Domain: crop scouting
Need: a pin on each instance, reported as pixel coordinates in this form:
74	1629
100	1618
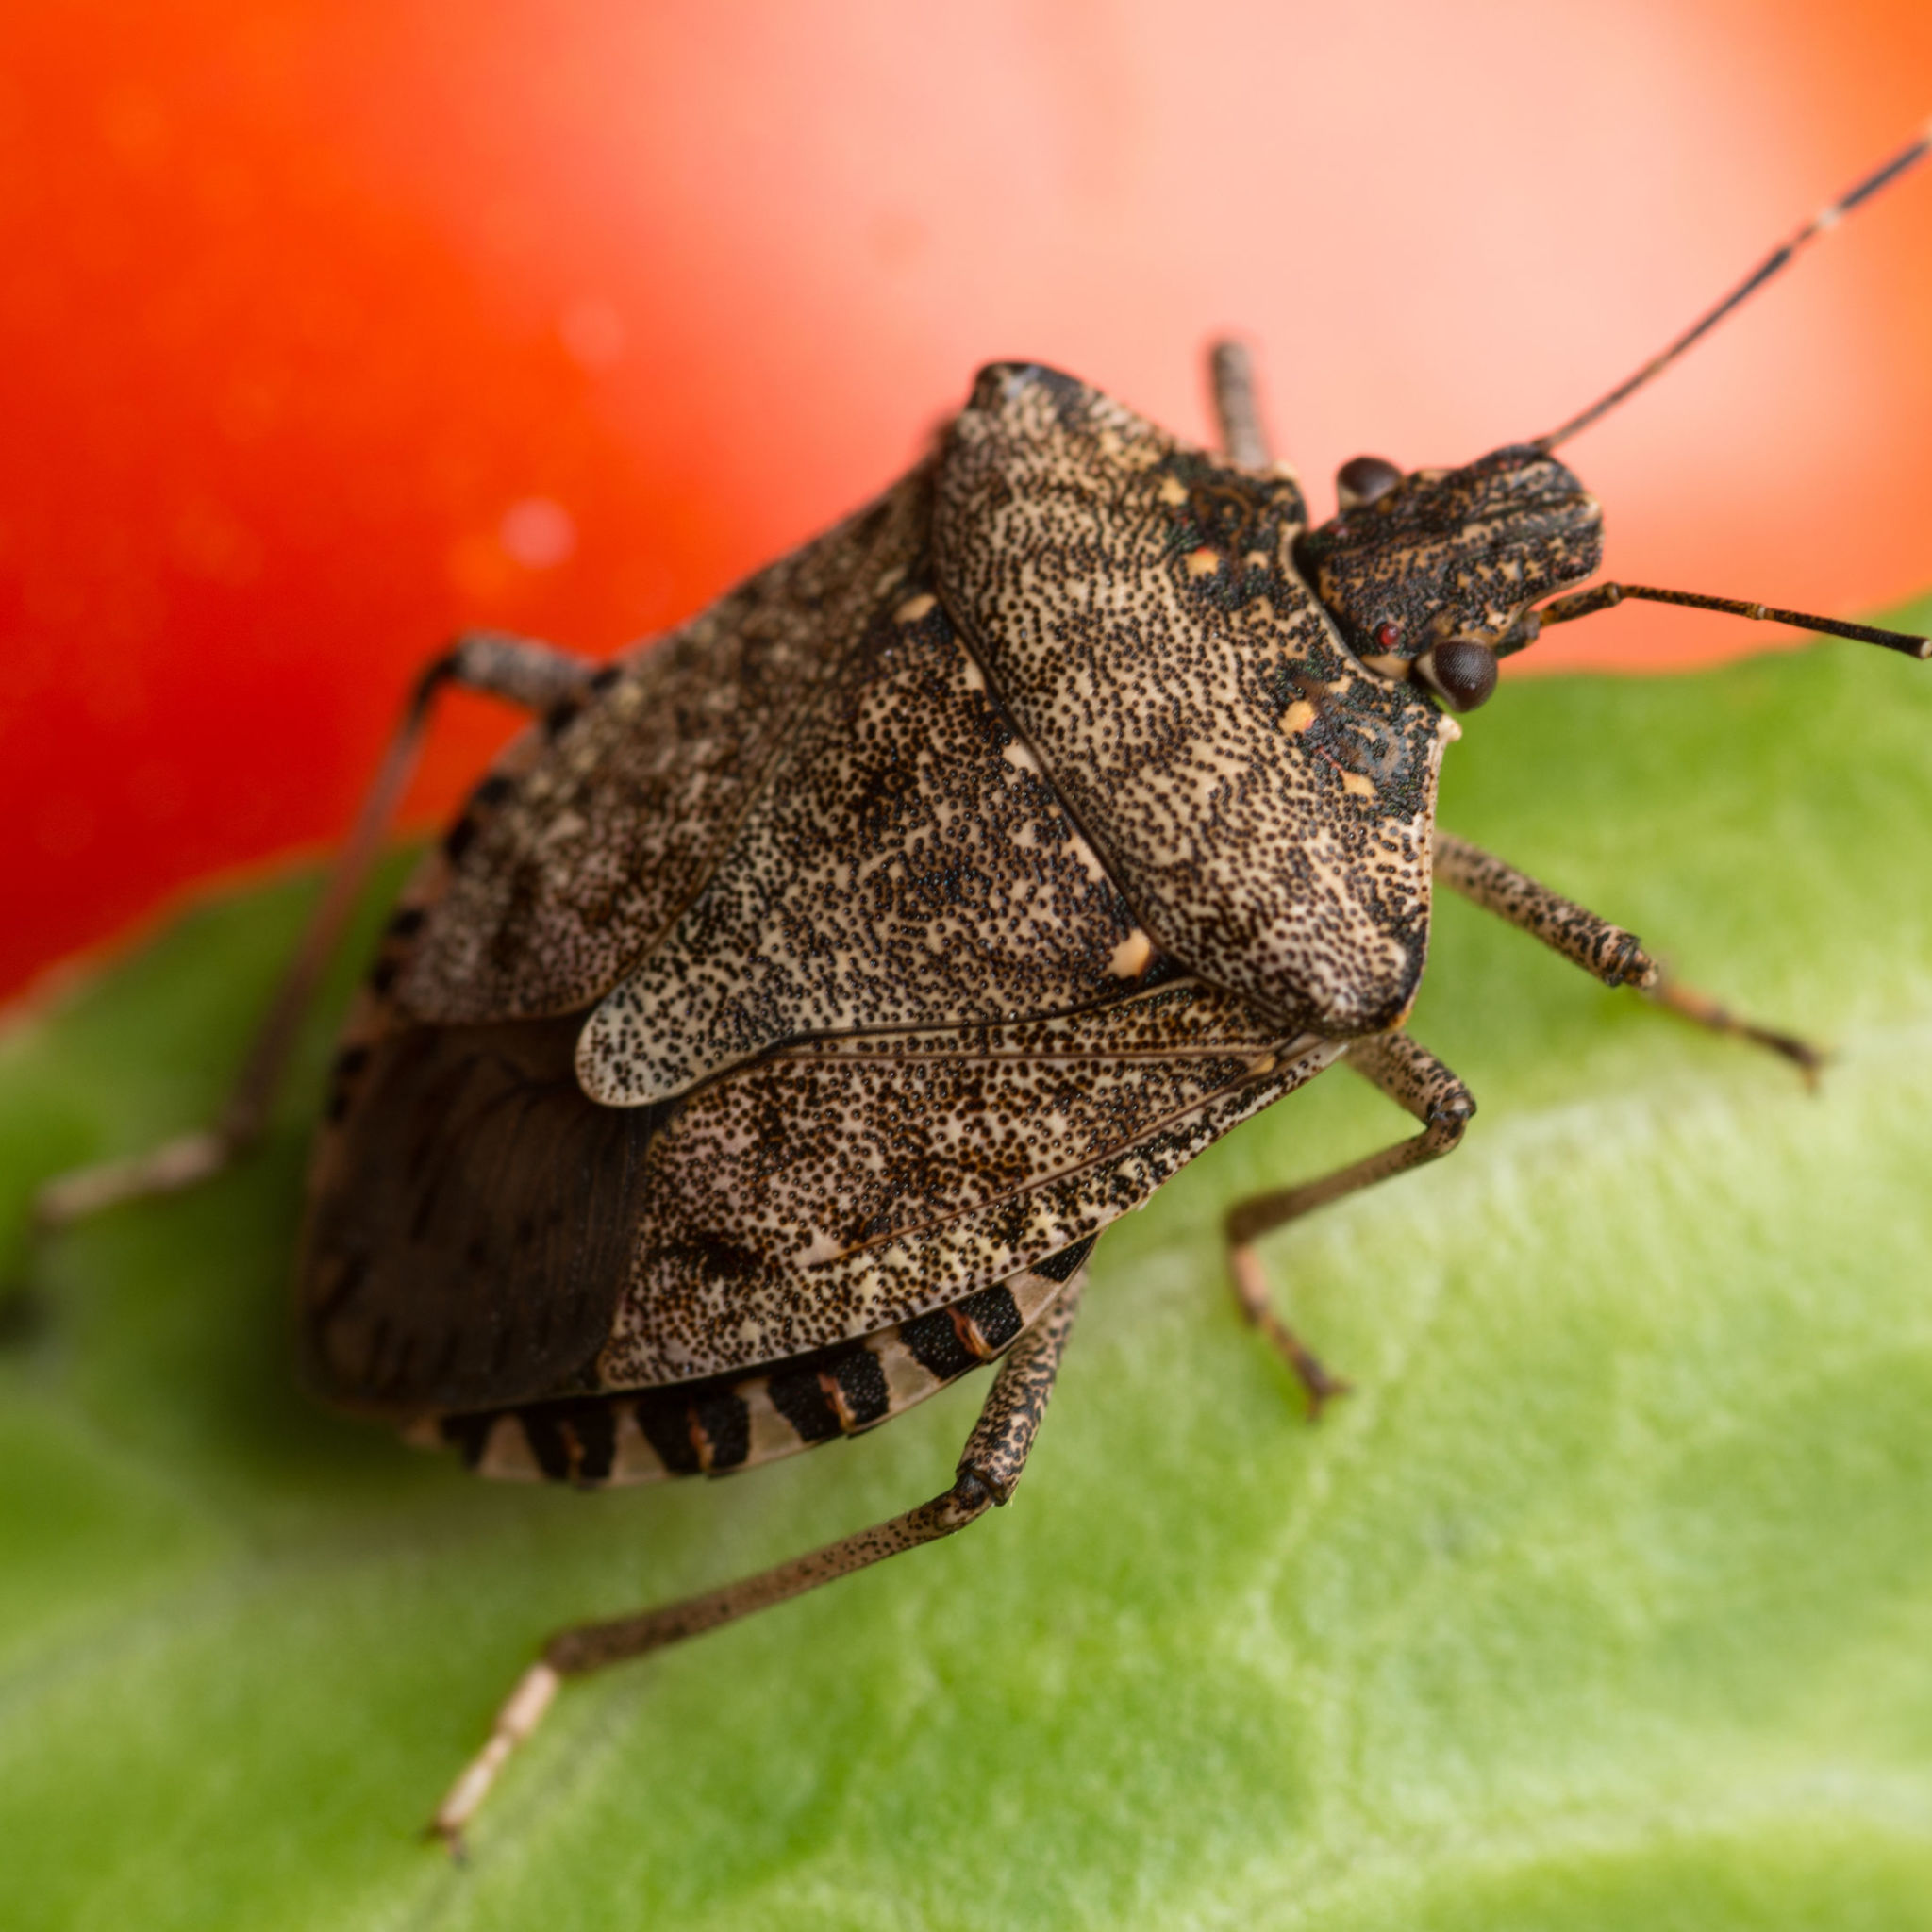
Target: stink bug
772	1037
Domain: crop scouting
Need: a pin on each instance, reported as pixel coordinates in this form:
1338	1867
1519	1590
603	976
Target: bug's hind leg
988	1470
532	675
1607	951
1417	1081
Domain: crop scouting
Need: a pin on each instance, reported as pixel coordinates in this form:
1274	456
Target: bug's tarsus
1779	258
514	669
1417	1082
1702	1010
1607	596
1237	407
989	1466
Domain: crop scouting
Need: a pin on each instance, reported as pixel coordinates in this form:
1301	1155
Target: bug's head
1427	575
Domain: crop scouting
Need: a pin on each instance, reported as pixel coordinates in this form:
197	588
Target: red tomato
326	330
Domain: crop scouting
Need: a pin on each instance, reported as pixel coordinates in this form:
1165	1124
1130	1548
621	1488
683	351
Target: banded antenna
1603	596
1820	223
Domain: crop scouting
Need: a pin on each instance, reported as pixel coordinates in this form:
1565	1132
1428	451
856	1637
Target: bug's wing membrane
843	1185
904	863
471	1222
1263	801
616	823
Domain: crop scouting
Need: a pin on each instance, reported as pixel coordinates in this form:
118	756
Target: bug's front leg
1603	950
531	676
1417	1081
988	1470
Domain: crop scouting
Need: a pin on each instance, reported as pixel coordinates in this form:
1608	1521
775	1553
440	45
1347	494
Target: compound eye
1362	479
1463	671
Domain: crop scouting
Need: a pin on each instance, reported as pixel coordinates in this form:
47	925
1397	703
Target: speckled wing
1263	800
841	1185
903	863
604	825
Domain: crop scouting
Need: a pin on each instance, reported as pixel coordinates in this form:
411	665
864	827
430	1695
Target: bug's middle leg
1417	1081
1603	950
988	1472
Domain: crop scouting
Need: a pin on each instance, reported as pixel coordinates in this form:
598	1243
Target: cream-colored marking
823	1248
1298	716
1447	729
1255	559
1131	956
1355	782
1386	664
915	608
1020	753
522	1711
1202	562
771	1436
508	1456
633	1459
1088	859
1261	1063
1173	490
905	1382
971	676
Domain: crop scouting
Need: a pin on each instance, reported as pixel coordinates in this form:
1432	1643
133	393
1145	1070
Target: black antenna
1820	223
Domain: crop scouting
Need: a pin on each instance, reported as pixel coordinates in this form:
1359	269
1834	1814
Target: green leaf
1605	1601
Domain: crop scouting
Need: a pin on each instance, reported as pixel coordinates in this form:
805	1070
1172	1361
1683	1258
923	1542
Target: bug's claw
1809	1060
451	1839
1314	1374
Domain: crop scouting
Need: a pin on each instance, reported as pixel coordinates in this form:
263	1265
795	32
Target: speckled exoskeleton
790	1011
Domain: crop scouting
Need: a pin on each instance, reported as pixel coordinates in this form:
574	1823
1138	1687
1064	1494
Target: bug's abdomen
728	1422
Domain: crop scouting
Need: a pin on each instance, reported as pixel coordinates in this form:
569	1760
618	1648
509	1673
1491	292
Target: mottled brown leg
988	1471
521	672
1231	376
1416	1080
1599	948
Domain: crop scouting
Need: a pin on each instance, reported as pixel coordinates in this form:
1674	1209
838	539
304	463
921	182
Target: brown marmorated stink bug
770	1038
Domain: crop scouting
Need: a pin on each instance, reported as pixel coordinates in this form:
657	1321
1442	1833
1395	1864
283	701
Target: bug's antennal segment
1237	409
1603	597
1821	223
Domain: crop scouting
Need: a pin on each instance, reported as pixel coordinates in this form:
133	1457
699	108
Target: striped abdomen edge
731	1421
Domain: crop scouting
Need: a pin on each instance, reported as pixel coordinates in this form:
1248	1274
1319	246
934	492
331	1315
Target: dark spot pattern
1263	801
904	863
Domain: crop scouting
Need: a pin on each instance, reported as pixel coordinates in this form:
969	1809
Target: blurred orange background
325	329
